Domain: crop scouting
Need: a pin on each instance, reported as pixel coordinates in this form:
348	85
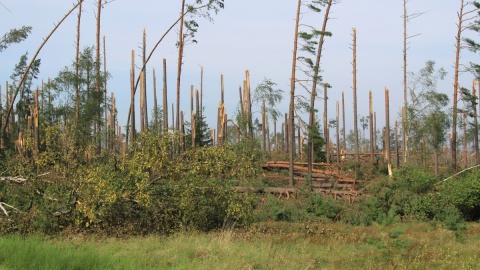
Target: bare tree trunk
325	122
397	156
179	67
77	59
132	98
264	138
105	114
22	80
1	119
192	117
97	73
268	135
200	109
275	138
286	133
475	127
155	105
142	102
165	101
316	69
355	122
375	130
337	118
387	132
292	96
36	128
465	150
456	86
370	116
144	72
343	123
405	98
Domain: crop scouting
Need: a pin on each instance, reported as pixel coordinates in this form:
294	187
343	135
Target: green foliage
318	143
324	207
426	115
14	36
148	191
464	194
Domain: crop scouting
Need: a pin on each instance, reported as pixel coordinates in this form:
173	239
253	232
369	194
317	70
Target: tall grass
264	246
37	253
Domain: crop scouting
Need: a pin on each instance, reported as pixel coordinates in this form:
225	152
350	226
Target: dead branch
15	179
2	204
467	169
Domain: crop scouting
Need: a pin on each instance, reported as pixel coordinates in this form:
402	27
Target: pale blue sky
248	34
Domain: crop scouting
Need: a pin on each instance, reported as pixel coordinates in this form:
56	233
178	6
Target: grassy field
263	246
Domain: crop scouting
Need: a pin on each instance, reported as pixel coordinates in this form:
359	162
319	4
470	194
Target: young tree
265	92
427	117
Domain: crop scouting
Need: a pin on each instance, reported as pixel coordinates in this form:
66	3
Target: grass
264	246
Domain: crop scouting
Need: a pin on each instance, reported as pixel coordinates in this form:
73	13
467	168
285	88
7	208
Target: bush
463	193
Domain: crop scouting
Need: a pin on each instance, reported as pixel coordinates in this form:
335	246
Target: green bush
463	193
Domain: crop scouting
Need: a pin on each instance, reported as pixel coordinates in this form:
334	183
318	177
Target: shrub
464	194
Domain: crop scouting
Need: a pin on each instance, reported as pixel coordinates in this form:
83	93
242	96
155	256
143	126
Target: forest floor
268	245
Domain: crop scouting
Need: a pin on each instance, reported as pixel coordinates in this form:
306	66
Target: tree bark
387	131
456	86
77	59
179	64
355	124
316	69
292	96
165	101
475	126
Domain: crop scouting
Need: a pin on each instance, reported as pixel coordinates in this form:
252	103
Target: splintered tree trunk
142	102
343	123
36	129
370	115
132	98
275	138
192	117
264	138
475	127
268	135
374	131
355	124
287	135
144	72
155	105
325	122
1	119
179	64
25	72
292	96
465	150
337	118
397	156
165	101
200	106
77	59
387	132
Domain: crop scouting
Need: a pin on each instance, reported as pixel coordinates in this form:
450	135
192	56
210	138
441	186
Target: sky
254	35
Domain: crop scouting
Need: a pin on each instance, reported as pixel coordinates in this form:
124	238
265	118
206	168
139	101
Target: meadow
266	245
